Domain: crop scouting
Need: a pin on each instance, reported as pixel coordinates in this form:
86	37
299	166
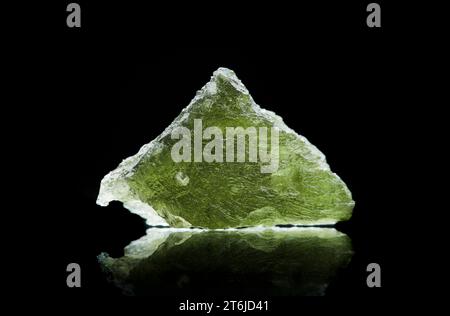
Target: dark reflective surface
279	261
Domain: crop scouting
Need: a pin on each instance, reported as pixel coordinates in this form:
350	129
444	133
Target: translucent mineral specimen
271	261
197	173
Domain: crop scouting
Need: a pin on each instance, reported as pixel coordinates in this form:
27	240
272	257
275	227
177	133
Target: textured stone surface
301	191
271	261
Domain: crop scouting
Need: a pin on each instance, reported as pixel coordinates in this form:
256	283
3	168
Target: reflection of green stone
302	190
290	261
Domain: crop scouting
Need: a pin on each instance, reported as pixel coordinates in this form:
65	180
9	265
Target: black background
118	81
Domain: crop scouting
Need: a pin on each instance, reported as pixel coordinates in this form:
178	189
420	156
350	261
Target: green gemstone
300	190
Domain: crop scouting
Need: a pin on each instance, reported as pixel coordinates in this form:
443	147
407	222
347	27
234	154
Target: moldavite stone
301	190
269	261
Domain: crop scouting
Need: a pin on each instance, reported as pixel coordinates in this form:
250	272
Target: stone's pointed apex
230	76
225	72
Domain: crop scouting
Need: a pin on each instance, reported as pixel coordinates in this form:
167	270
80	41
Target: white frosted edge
146	211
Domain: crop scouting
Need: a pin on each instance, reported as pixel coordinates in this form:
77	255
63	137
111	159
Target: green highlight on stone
268	261
302	191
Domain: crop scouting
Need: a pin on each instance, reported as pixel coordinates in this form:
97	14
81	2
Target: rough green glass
302	191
